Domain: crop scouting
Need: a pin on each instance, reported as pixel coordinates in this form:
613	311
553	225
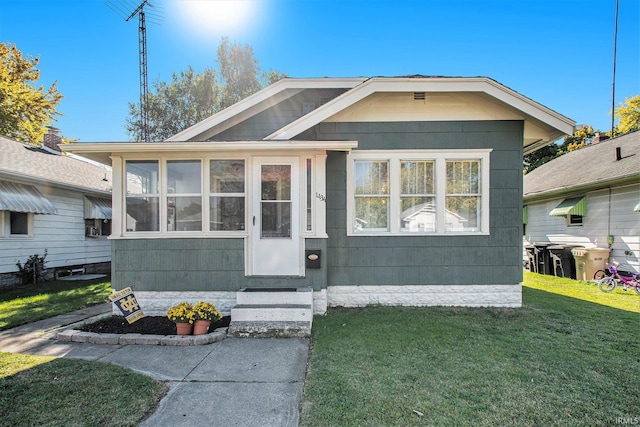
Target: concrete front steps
275	312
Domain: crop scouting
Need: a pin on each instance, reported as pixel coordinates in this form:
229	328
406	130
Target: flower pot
201	327
184	328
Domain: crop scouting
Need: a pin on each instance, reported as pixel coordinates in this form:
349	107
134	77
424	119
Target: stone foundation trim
156	303
426	295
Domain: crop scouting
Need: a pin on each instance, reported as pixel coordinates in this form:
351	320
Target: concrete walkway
234	382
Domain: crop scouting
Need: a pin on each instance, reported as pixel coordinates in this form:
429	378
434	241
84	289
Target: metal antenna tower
144	89
120	7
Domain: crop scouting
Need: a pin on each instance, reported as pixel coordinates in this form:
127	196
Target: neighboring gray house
52	201
395	191
588	197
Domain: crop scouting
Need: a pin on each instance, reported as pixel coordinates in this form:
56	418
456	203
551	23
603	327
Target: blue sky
557	52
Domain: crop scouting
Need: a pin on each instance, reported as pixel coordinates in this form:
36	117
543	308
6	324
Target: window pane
276	182
226	213
463	177
372	178
184	214
276	219
417	177
462	213
372	213
227	176
142	176
418	214
19	223
183	176
143	214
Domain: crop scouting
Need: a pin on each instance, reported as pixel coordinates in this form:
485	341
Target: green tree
192	97
580	138
25	108
628	114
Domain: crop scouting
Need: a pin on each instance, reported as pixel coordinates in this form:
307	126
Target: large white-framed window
176	192
410	192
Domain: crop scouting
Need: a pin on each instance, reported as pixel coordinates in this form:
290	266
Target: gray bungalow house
395	191
589	197
54	202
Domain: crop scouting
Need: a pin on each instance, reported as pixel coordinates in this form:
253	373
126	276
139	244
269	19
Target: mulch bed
154	325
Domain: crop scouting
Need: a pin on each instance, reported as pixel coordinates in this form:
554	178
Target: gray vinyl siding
272	119
429	260
197	265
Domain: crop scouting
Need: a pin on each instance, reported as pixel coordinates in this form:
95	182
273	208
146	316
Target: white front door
275	233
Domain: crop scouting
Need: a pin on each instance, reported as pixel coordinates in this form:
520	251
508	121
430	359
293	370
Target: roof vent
618	153
419	96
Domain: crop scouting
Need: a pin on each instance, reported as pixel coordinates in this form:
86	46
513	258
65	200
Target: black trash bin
562	262
543	259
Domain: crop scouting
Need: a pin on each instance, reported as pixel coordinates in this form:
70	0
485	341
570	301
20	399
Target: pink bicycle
617	277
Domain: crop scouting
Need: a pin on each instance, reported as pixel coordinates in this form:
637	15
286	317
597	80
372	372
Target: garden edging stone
74	335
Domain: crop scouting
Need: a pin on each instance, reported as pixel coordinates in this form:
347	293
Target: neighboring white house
56	202
588	197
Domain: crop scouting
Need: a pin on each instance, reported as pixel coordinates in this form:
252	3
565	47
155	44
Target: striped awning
97	208
574	206
16	197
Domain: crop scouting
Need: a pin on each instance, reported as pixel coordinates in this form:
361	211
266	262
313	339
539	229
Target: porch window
184	195
227	195
143	195
409	192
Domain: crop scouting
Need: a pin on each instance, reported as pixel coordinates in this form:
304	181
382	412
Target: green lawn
559	360
28	303
43	391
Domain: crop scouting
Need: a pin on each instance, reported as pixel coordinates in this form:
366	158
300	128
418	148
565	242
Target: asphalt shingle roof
38	164
587	166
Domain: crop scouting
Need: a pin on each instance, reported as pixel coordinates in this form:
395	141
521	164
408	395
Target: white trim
440	157
426	295
557	124
103	151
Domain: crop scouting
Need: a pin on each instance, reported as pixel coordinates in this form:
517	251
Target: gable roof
549	125
28	163
591	167
542	125
258	102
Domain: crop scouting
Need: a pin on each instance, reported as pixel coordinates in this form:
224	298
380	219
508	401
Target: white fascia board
528	107
123	148
259	101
